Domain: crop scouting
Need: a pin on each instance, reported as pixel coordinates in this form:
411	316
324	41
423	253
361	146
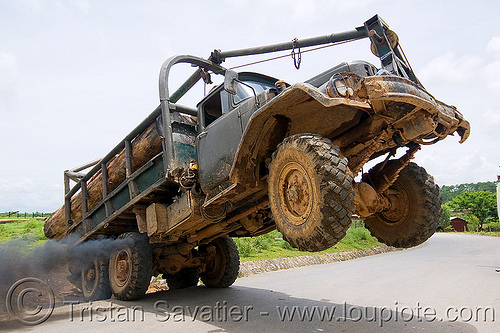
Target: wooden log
12	220
144	147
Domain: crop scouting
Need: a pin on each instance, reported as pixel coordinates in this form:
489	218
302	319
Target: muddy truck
259	154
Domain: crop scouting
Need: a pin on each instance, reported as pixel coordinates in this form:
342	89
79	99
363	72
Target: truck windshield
244	91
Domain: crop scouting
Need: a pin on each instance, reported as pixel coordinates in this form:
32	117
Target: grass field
272	245
30	231
485	233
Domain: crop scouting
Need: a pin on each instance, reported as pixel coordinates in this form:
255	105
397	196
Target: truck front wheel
222	269
130	266
415	209
310	192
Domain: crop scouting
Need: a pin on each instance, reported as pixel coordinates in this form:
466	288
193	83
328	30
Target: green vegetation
448	193
486	233
17	215
272	245
444	220
477	208
474	202
492	227
29	231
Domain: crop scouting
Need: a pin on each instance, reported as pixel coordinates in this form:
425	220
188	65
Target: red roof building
458	224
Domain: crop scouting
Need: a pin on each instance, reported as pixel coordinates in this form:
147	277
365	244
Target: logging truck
259	154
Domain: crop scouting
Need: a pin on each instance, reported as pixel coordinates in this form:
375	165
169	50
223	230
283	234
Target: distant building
458	224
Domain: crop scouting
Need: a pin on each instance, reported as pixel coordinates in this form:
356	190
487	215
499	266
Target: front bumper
415	113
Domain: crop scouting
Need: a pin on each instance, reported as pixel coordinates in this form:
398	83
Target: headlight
342	89
342	85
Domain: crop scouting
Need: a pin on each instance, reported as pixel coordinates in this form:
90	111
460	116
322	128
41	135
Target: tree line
475	202
448	193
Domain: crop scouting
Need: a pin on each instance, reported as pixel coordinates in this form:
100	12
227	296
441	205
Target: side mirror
231	82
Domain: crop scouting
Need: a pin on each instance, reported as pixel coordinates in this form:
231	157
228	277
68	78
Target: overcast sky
77	75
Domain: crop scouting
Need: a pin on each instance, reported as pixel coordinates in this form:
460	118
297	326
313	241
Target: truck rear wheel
130	266
185	278
415	209
222	270
310	192
95	280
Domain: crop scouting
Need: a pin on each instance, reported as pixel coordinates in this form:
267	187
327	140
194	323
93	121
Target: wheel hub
399	204
89	279
90	274
293	193
296	194
122	268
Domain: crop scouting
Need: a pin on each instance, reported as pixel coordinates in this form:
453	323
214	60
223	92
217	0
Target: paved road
448	284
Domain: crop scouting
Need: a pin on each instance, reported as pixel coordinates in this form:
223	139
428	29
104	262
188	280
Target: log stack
144	147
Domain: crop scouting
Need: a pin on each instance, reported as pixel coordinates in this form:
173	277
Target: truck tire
95	280
185	278
222	270
130	267
414	213
310	192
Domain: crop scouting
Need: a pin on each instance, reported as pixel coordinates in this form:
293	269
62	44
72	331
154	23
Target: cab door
218	139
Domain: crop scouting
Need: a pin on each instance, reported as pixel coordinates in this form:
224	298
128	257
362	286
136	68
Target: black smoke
50	262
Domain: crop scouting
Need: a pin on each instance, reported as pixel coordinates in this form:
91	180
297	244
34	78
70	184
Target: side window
224	99
215	106
250	89
243	93
220	102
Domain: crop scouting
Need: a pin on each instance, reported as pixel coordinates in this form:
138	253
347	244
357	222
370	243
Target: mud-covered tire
222	270
130	266
415	209
185	278
95	280
310	192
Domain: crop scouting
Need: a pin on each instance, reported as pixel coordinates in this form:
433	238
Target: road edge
270	265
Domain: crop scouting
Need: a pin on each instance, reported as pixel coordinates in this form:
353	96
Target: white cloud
304	10
449	68
492	118
458	165
25	195
9	75
38	6
24	185
82	5
32	5
8	70
492	72
494	46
